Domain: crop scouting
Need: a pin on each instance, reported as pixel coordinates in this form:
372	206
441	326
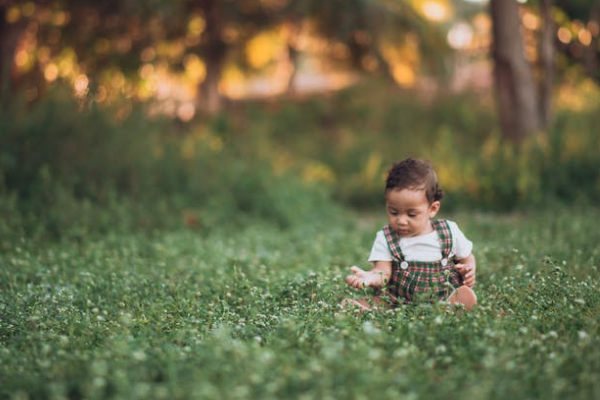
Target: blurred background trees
131	98
212	50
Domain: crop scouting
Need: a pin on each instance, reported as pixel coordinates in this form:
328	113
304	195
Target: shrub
98	169
358	133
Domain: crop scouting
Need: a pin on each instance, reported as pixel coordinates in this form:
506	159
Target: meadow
145	259
253	312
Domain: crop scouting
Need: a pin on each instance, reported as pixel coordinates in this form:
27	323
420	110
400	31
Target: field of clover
254	313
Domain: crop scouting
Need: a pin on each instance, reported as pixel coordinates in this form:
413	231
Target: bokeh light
195	69
146	71
585	37
564	35
81	85
531	21
435	11
51	72
186	111
460	35
196	25
22	58
148	54
13	15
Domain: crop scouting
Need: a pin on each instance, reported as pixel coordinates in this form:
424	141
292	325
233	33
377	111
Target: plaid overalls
424	280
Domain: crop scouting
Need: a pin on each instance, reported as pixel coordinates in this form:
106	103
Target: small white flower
369	329
374	354
126	319
139	355
402	352
99	382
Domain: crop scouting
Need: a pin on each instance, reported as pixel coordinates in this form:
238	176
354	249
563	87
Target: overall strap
393	242
445	235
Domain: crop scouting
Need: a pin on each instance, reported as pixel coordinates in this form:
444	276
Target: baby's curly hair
414	174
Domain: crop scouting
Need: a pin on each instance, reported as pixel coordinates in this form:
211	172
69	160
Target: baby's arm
466	267
377	277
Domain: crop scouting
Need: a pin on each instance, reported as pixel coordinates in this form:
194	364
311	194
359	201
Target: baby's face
409	211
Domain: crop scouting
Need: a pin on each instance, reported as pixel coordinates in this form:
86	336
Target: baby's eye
412	215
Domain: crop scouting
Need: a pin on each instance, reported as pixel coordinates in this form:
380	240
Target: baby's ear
434	208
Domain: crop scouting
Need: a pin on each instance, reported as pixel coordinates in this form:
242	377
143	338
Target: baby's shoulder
451	224
380	235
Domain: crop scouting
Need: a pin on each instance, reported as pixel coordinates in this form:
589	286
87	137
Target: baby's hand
467	272
362	279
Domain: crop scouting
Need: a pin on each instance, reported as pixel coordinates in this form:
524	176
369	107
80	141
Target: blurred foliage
576	9
69	173
107	44
66	173
370	30
127	48
358	133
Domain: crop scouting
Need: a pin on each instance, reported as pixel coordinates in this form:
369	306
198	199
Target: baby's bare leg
465	296
366	303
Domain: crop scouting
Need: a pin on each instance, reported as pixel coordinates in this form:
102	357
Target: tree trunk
210	99
293	56
209	96
547	63
294	30
591	52
515	87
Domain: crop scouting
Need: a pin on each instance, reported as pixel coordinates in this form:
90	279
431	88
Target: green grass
187	314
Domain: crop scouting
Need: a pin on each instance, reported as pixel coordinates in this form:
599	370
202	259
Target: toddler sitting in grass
415	257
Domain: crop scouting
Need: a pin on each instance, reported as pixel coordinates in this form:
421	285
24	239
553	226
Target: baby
416	257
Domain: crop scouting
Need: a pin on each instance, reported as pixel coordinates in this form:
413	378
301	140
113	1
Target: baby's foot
361	303
465	296
367	303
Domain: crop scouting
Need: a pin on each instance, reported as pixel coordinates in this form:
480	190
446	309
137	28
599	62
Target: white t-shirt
422	248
